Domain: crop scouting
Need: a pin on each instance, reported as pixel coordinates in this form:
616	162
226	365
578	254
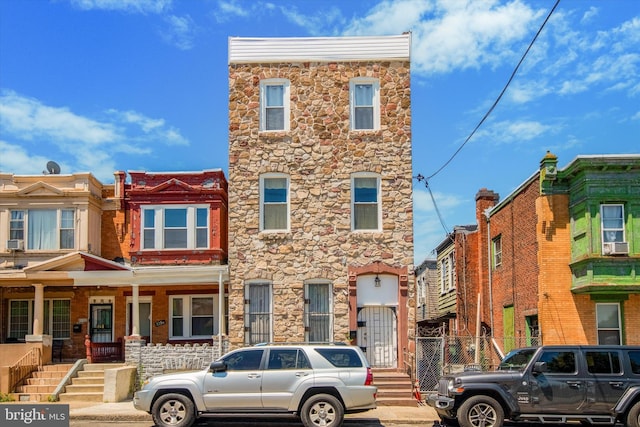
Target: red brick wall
515	281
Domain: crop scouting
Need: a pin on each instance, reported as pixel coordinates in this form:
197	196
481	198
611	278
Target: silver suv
318	383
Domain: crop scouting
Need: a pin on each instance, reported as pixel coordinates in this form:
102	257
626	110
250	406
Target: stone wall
156	359
319	153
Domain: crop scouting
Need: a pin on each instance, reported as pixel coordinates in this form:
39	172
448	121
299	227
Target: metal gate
378	335
429	361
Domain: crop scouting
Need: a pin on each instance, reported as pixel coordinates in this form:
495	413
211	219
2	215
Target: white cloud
589	15
181	31
85	143
130	6
517	131
15	159
229	9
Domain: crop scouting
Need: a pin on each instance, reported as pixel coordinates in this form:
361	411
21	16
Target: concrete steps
88	385
394	388
42	383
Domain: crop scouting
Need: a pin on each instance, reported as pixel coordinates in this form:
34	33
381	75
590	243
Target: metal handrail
26	365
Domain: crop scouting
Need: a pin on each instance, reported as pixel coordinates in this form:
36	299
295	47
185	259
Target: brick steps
394	388
42	383
88	385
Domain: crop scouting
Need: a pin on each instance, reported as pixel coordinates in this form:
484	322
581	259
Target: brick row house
82	259
557	261
320	193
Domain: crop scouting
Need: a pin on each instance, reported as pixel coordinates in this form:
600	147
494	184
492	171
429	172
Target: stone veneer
319	153
156	359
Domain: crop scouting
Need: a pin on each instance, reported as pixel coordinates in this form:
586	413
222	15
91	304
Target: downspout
487	215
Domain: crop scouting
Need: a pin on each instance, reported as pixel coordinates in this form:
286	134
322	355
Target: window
274	105
274	202
603	362
365	104
612	223
258	308
365	196
341	357
608	323
175	227
287	359
497	251
634	359
451	284
56	322
192	316
46	229
444	274
559	362
318	312
244	360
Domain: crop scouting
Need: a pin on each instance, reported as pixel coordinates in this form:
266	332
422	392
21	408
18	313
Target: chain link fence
436	356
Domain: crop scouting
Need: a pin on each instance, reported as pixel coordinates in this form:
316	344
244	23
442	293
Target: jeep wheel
322	410
481	411
175	410
633	418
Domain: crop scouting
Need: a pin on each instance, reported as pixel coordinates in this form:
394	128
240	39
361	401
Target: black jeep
549	384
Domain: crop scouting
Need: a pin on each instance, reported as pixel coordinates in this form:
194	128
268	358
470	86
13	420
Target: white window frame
618	329
375	83
21	226
307	306
444	273
612	229
286	101
267	176
158	226
451	284
378	202
48	324
187	316
497	254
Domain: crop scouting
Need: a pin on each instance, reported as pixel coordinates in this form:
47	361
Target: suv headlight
455	386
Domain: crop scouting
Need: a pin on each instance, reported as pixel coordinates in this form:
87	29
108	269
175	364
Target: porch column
135	310
38	309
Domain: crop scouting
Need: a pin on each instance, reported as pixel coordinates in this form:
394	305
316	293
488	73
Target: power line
421	178
495	103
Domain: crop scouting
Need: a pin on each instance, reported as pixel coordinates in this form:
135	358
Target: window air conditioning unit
15	244
615	248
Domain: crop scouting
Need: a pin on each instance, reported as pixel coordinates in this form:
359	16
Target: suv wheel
175	410
481	411
322	410
633	418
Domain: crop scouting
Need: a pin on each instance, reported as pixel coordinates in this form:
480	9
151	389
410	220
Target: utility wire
495	103
421	178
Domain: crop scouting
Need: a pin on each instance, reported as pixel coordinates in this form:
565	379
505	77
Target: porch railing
100	352
27	364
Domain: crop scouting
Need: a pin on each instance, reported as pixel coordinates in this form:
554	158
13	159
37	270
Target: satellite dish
53	168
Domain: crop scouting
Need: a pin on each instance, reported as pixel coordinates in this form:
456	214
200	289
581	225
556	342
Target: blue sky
105	85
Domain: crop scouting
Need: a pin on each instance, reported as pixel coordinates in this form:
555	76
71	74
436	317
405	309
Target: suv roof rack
301	343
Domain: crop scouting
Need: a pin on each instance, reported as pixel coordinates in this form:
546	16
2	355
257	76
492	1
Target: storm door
101	322
378	335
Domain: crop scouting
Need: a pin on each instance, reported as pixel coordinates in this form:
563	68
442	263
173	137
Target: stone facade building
320	193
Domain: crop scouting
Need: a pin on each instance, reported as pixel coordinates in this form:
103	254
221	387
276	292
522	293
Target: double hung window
274	105
497	251
258	308
175	227
318	312
365	103
56	322
365	202
193	316
274	202
612	223
608	323
44	229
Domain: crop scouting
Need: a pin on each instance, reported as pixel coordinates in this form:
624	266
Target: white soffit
321	49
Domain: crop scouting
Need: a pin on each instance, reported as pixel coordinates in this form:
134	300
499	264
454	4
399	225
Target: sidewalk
124	411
